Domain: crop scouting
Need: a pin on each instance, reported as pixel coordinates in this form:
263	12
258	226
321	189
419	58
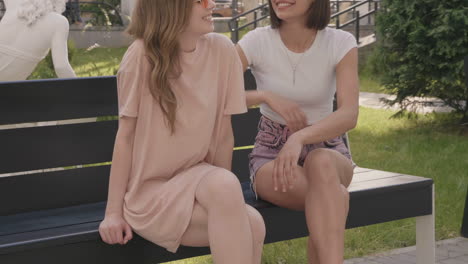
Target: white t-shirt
315	78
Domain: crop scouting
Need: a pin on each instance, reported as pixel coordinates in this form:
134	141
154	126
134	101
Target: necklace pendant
294	78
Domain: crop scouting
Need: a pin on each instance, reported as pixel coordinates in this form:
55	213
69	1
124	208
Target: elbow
64	71
353	119
229	141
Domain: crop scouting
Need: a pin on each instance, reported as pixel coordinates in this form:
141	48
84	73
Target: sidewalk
426	105
450	251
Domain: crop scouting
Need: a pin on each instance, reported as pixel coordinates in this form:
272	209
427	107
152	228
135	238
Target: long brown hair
159	24
318	15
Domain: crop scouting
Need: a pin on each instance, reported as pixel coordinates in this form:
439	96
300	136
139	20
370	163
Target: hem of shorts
253	185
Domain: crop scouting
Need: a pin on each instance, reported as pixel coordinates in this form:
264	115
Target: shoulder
216	40
261	32
336	35
219	44
133	55
55	20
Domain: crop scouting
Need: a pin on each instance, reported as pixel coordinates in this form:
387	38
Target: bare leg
325	171
234	231
325	218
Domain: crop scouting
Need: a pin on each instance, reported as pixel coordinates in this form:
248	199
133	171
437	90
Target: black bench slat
60	99
44	147
47	219
241	161
39	191
55	227
35	148
245	127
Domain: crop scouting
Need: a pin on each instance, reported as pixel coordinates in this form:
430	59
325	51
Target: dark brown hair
318	15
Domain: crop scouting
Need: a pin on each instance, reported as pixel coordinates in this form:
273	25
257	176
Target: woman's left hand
285	165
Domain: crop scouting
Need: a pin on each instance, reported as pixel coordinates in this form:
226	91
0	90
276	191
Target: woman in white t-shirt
300	160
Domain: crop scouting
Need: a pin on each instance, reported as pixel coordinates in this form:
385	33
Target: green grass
428	146
87	63
369	84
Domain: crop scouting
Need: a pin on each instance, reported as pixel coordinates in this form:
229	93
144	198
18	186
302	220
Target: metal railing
114	11
357	15
234	22
373	6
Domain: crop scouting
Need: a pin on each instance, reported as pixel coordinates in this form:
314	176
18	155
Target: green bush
102	15
422	44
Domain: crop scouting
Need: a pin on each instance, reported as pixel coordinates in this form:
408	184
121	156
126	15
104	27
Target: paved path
425	105
450	251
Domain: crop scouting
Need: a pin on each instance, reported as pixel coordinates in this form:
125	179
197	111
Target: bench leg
425	237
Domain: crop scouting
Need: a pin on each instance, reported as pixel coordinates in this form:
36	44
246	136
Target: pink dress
166	169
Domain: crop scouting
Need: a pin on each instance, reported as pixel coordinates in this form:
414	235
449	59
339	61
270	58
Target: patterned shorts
270	140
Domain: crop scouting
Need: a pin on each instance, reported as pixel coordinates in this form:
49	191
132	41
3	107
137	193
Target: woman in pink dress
300	160
170	180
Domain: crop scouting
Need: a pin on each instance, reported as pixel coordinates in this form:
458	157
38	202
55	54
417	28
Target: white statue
28	30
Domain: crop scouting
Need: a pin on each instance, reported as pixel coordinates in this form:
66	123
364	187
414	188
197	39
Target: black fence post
464	228
337	26
235	30
357	26
255	19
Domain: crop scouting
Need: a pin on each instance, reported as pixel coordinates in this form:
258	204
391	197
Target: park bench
52	200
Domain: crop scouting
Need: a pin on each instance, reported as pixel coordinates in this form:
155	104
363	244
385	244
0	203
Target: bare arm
253	97
60	50
345	117
121	165
114	229
223	156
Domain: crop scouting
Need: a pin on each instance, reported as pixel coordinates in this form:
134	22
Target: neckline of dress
191	57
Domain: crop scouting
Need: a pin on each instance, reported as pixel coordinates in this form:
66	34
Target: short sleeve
130	81
235	94
250	46
344	42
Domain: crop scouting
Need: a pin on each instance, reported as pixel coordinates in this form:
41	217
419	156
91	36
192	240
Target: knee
221	187
345	193
320	168
257	225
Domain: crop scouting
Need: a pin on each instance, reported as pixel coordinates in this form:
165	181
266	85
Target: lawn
427	146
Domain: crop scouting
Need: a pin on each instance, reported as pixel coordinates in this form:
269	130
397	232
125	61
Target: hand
285	165
112	229
290	111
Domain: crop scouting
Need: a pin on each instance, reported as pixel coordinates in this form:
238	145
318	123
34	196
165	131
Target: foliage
421	48
102	14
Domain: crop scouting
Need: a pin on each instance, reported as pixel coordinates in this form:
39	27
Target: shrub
422	44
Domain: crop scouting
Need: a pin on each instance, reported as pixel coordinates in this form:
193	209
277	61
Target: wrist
110	213
299	137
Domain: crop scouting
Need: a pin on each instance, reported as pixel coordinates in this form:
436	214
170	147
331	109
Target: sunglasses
204	3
